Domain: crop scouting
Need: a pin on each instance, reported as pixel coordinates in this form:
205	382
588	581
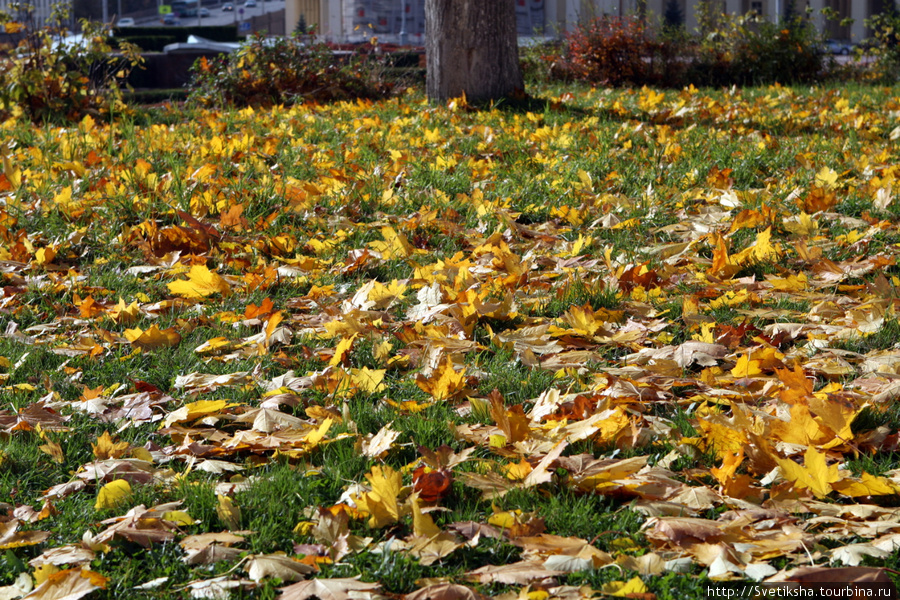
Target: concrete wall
271	23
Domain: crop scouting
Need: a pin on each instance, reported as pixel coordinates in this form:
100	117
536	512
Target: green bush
47	78
269	71
747	50
729	50
884	44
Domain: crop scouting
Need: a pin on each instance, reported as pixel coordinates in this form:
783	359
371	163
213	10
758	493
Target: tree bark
471	48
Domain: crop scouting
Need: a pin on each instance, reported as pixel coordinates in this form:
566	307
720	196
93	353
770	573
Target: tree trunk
471	48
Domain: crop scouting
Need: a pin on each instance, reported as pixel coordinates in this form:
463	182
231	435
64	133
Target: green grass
516	218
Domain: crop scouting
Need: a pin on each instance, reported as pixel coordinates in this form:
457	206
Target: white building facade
357	20
40	10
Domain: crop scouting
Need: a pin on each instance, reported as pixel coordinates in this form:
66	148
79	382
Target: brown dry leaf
64	555
810	575
445	591
680	531
218	588
327	589
541	472
21	586
202	540
139	525
274	565
378	445
28	514
10	537
211	554
520	573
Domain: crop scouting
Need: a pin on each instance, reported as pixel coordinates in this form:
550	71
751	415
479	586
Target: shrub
748	50
731	50
49	76
610	51
884	44
265	72
544	62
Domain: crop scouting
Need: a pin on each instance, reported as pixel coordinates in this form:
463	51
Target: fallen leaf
113	494
201	282
229	513
328	589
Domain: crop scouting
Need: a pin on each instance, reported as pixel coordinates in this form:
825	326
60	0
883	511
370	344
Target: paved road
219	17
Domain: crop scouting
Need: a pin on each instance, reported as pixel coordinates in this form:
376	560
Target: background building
356	20
40	9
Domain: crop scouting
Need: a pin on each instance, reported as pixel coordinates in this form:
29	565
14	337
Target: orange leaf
445	381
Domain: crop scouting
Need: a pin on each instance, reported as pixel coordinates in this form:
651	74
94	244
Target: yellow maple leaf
107	448
113	494
814	475
341	350
272	324
43	573
201	282
730	298
757	361
179	517
625	588
153	338
317	435
382	503
791	283
124	315
368	380
54	450
385	295
423	524
506	519
730	463
761	250
445	381
722	264
866	485
195	410
707	333
746	367
395	245
45	256
826	177
517	471
721	438
229	513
